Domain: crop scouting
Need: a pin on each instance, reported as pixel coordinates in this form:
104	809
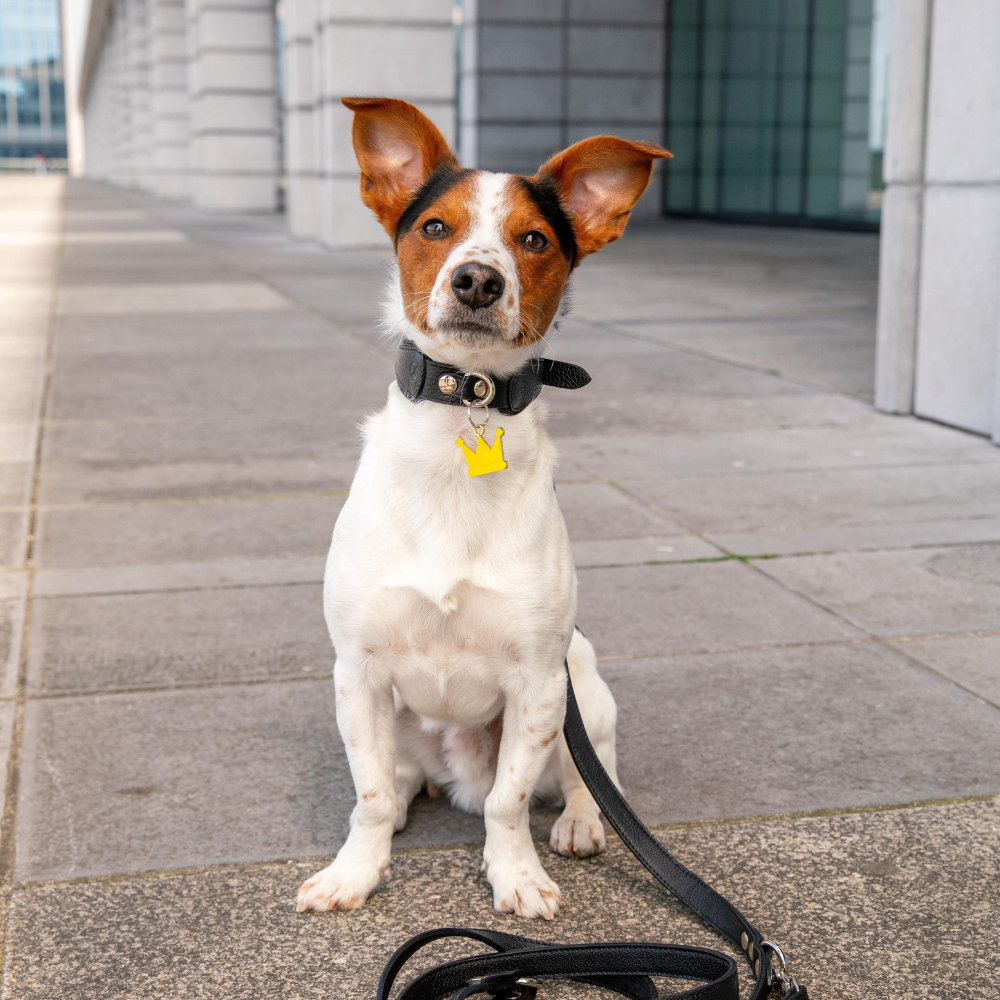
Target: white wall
939	290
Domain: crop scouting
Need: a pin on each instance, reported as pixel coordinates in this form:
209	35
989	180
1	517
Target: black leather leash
420	377
518	965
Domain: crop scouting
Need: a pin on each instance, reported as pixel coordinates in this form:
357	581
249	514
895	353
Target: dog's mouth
472	328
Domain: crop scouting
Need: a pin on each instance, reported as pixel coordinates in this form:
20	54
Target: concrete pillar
300	115
233	102
902	206
137	55
397	48
939	284
169	108
958	340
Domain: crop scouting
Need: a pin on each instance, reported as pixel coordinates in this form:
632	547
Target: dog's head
483	257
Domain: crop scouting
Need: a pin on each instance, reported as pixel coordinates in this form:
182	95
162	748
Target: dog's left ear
599	180
398	148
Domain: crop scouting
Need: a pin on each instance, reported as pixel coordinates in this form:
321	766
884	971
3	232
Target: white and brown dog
451	598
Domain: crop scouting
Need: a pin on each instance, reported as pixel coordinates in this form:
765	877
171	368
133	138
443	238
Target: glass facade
32	101
775	110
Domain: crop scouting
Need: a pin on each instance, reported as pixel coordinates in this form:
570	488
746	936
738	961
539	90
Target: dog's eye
434	228
535	241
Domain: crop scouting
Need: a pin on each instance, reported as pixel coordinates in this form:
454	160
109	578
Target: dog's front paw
340	886
523	888
577	834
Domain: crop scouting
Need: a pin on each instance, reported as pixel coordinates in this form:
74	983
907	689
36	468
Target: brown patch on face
599	180
421	257
542	273
398	148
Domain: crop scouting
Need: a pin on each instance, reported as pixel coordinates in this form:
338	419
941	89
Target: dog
450	596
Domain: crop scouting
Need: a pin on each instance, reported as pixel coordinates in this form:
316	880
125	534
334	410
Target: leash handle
624	968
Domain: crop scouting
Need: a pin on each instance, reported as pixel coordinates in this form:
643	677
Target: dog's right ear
398	148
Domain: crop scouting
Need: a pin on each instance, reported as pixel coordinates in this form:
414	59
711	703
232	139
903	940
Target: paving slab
181	532
354	297
131	481
133	782
858	895
835	354
695	607
760	732
224	384
11	625
22	389
748	452
13	529
827	497
130	782
201	575
177	296
16	481
170	439
903	535
178	638
597	512
909	592
677	413
17	441
642	551
972	661
195	333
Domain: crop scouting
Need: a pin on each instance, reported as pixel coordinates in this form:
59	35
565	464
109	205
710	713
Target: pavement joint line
616	657
161	688
860	311
884	641
246	867
347	329
173	501
742	472
12	786
183	590
754	565
328	674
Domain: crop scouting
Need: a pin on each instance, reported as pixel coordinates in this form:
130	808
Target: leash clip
779	976
505	986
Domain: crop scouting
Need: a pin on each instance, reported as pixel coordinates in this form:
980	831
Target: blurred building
32	105
834	113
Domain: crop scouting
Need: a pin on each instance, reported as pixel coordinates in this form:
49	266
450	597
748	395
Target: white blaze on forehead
483	244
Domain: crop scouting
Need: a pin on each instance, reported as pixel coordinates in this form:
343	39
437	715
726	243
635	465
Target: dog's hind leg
414	747
579	832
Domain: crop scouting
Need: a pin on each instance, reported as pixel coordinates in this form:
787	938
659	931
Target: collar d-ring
484	389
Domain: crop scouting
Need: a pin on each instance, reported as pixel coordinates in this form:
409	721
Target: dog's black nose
477	285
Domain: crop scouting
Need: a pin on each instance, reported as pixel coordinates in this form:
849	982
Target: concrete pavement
795	599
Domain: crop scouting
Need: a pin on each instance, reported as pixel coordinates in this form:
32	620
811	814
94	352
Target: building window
775	110
32	99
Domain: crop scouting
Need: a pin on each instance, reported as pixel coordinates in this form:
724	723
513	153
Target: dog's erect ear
398	148
599	180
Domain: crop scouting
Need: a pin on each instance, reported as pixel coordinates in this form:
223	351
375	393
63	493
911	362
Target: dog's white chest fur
450	586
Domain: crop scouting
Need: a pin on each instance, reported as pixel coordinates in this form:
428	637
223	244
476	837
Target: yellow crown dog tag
484	459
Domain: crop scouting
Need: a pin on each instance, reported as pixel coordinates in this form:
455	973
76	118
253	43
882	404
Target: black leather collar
420	377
